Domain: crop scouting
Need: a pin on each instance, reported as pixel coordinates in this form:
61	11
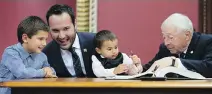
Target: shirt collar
185	51
23	53
102	56
76	43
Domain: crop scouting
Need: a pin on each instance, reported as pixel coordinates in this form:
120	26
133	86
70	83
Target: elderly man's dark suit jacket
53	53
198	57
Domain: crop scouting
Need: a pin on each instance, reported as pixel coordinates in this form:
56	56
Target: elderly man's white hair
179	21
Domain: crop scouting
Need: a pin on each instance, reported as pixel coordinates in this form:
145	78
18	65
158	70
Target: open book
162	73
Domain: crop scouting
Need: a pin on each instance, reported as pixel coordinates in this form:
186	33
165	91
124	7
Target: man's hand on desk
49	73
162	63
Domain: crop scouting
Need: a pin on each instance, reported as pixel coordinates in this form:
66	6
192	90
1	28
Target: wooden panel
205	16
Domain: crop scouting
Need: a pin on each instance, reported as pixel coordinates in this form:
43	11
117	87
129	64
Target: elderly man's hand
162	63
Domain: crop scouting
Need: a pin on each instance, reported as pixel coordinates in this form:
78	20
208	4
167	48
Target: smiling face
109	49
62	30
36	43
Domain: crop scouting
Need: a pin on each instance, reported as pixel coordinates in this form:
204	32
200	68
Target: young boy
25	59
108	61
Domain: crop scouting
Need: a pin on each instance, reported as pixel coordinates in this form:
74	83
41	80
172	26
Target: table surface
101	82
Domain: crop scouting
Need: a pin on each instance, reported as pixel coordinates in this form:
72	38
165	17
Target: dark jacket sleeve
203	65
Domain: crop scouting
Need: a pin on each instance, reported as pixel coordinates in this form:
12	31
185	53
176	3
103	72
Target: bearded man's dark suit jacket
198	57
53	53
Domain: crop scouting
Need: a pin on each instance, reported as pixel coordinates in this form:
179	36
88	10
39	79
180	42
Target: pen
131	53
173	62
156	67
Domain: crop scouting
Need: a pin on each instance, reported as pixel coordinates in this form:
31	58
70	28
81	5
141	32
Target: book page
180	71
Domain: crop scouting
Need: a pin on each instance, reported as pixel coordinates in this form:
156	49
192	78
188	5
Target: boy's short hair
30	26
58	9
103	35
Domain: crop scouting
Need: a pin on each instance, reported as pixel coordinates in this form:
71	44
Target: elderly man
182	47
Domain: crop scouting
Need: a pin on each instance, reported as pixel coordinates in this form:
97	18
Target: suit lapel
192	45
85	52
58	62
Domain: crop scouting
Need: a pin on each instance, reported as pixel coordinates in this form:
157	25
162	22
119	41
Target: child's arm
121	68
99	70
15	64
49	72
137	62
133	64
48	69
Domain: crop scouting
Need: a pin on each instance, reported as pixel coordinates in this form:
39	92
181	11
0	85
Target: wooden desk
102	86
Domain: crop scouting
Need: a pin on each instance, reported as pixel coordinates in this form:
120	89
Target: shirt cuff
110	72
40	73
